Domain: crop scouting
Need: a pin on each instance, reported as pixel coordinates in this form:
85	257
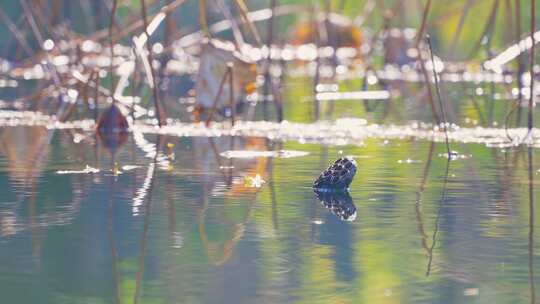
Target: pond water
197	223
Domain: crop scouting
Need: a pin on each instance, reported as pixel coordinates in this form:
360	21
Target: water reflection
437	219
339	203
531	223
200	234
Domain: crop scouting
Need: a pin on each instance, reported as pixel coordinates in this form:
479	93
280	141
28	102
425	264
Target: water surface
189	225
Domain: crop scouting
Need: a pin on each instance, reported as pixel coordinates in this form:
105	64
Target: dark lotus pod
339	203
337	177
112	128
112	121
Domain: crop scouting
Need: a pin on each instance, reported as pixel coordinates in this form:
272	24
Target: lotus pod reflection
337	177
340	204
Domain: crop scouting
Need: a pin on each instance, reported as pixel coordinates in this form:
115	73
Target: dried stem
420	33
202	18
530	120
96	97
16	33
268	85
159	110
111	45
232	102
429	90
216	99
521	67
242	8
438	91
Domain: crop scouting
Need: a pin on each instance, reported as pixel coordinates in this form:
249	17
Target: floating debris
254	182
254	154
317	222
409	161
337	177
87	170
471	292
455	155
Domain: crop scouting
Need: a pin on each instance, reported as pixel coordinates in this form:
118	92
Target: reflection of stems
436	231
34	231
271	185
110	230
227	180
531	225
145	229
420	222
172	230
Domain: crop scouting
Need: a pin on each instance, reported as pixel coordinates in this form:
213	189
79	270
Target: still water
197	223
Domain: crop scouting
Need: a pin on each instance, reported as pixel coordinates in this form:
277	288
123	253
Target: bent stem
438	91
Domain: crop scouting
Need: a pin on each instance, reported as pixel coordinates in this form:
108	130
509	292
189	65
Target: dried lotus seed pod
338	176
